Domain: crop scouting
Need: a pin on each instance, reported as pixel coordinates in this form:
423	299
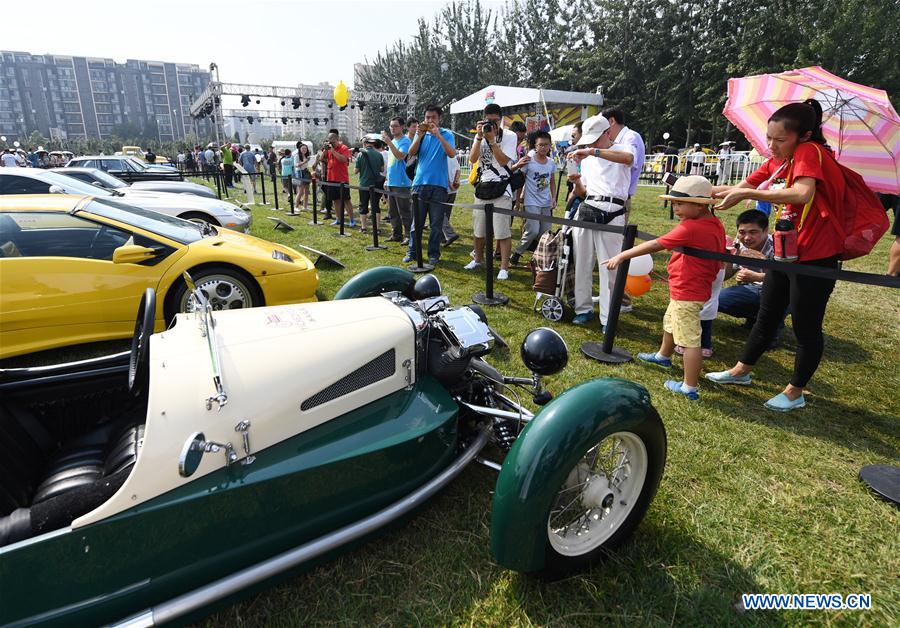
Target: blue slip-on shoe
583	319
725	377
407	258
352	224
675	387
336	223
652	358
781	403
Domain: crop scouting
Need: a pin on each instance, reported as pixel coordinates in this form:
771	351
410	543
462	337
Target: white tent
562	133
522	96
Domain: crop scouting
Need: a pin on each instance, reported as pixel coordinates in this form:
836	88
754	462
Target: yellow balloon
341	94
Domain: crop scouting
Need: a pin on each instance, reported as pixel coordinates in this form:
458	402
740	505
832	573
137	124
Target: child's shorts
682	320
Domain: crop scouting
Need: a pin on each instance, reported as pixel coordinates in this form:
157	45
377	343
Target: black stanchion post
489	297
418	222
343	215
224	187
374	246
275	191
315	195
218	186
290	195
606	352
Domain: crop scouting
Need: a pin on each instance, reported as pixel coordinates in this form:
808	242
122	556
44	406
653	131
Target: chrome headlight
284	257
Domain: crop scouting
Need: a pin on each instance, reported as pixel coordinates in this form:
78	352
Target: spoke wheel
552	309
598	495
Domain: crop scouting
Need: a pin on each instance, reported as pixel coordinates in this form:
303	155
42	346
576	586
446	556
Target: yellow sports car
73	269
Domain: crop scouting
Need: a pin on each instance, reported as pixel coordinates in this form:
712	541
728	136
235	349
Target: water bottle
785	240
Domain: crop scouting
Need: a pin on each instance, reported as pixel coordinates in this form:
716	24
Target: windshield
170	227
108	180
138	164
72	185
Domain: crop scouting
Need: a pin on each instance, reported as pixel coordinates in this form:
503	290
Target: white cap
592	129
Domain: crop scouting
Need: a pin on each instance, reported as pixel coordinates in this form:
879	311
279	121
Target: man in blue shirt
398	206
248	162
433	145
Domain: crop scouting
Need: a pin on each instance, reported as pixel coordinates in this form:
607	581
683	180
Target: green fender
543	455
374	281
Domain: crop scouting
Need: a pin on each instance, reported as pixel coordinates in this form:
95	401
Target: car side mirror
55	189
133	254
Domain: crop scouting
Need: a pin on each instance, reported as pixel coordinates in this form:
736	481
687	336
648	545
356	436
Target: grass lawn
751	500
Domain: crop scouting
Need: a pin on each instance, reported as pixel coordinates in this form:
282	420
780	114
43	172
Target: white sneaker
503	274
472	265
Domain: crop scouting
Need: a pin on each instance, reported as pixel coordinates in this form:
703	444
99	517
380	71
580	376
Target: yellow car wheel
226	289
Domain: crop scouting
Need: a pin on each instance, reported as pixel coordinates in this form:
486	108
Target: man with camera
432	146
603	183
397	181
493	150
337	155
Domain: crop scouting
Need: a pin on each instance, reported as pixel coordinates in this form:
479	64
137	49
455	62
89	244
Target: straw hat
692	189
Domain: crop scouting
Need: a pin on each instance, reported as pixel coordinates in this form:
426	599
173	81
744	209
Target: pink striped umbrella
858	122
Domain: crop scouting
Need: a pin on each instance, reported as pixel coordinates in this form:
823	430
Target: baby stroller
553	269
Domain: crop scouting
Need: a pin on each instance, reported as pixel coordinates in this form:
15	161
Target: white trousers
592	247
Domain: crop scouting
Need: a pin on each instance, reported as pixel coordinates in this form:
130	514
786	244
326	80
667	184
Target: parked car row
186	206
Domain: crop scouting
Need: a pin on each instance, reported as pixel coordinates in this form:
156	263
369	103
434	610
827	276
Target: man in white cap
603	183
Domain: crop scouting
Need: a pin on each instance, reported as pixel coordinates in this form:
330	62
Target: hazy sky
272	42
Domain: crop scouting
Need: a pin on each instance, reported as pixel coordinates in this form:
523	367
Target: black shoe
514	259
496	254
451	239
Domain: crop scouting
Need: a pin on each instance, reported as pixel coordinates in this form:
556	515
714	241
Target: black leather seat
35	470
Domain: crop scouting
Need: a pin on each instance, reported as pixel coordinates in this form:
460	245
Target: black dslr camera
487	126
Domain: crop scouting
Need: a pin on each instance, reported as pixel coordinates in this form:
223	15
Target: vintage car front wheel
604	496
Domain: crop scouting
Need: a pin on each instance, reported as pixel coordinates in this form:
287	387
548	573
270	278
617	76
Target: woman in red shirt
806	181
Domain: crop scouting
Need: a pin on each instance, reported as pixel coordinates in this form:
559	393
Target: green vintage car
145	487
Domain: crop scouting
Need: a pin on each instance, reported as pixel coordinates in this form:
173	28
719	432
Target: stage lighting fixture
353	106
330	105
316	121
295	102
257	101
307	104
245	100
362	106
384	108
250	119
282	103
344	107
284	121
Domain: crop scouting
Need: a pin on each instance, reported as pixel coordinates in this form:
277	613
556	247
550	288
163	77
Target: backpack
864	219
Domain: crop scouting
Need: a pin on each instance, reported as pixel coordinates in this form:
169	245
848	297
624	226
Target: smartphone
669	179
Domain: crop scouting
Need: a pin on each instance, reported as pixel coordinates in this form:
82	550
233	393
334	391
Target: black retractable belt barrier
275	191
343	203
315	201
489	297
418	222
290	195
606	352
375	211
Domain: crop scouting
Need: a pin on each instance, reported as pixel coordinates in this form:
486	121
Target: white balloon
641	265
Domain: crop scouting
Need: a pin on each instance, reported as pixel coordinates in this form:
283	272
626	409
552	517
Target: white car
186	206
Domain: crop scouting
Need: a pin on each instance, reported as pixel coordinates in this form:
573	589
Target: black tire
651	435
200	217
206	278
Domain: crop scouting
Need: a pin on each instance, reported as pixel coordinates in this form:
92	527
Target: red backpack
864	218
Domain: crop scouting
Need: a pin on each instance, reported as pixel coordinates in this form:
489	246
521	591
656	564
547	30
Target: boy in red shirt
690	278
